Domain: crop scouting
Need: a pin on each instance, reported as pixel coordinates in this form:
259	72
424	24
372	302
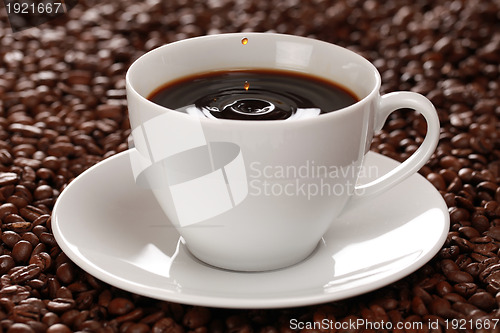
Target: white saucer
117	232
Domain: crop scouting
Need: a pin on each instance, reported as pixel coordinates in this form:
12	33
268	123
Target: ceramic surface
221	181
118	233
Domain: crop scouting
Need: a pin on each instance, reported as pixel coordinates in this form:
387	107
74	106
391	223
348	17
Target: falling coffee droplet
246	85
244	41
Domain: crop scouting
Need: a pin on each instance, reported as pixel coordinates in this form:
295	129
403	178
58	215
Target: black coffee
253	95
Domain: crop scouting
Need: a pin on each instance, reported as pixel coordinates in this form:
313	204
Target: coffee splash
264	95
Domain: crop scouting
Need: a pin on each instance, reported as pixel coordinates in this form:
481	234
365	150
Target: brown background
63	109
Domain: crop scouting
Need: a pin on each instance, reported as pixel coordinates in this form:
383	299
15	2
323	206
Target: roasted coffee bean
138	328
42	260
494	232
27	162
23	150
38	230
81	318
449	252
450	162
78	287
45	174
5	157
441	307
77	77
20	328
28	310
60	305
66	272
13	218
480	223
153	317
21	251
51	163
133	315
459	215
61	149
459	276
7	209
465	289
43	192
196	317
6	263
8	178
85	299
167	325
63	292
418	306
461	140
463	244
10	238
31	238
31	213
58	328
422	294
50	319
120	306
448	266
469	232
47	238
437	180
454	298
483	300
93	282
464	308
104	298
37	283
489	270
69	317
443	288
19	226
463	261
13	294
25	273
41	221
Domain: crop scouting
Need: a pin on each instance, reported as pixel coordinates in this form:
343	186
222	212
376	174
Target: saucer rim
305	299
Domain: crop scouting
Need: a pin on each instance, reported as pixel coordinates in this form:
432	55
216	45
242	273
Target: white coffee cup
259	195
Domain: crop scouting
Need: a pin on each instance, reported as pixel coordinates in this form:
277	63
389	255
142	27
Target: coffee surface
253	95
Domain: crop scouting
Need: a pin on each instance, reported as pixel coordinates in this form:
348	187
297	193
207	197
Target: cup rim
360	103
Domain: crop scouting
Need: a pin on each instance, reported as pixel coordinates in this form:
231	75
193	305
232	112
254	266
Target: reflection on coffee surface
253	95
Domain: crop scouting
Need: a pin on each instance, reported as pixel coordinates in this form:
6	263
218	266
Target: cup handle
388	104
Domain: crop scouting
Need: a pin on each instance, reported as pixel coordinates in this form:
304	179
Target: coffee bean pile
63	109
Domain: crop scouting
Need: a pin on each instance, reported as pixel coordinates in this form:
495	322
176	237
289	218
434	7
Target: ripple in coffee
253	95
